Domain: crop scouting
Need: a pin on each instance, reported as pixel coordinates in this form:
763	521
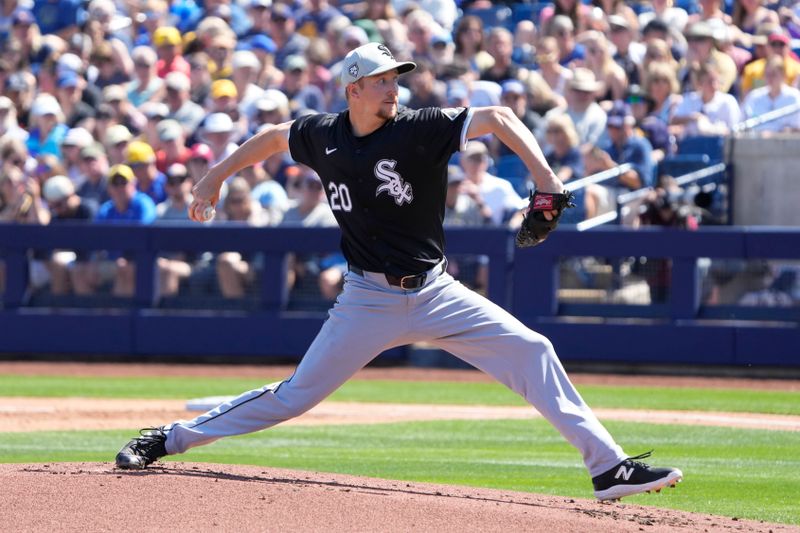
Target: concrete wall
766	180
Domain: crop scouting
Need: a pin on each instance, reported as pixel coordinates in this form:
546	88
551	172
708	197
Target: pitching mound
202	497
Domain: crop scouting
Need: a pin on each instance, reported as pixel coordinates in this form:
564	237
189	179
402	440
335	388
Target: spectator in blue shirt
626	146
127	205
58	16
48	129
141	158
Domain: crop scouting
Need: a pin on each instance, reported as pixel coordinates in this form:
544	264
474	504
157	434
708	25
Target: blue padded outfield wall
679	331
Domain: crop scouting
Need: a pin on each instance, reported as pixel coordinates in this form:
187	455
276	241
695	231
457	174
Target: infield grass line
730	472
387	391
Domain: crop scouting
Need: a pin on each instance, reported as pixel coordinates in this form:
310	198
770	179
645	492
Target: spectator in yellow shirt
753	74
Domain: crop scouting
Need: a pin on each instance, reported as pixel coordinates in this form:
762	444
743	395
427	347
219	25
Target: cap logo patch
385	51
353	70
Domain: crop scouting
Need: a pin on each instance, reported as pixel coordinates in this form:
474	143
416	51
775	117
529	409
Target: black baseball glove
535	227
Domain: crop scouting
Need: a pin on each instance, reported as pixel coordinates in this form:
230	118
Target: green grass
736	400
732	472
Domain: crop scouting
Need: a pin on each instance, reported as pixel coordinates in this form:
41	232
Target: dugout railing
680	330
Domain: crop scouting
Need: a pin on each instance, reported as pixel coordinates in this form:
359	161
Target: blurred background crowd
111	110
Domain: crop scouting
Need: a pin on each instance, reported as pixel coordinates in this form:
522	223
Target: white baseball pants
371	316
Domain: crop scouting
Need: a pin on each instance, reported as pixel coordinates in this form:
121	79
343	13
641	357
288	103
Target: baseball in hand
208	213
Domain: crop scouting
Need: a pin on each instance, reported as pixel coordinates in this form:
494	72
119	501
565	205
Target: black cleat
633	477
143	450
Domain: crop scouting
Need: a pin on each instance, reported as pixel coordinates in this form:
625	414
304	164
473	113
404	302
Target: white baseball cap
369	60
45	104
79	137
57	188
218	123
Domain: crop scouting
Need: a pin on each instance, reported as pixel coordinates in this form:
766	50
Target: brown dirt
95	497
43	414
33	368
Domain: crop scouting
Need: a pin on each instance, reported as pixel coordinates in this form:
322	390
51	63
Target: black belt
404	282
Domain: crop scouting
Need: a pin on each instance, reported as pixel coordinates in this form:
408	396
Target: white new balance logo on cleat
624	472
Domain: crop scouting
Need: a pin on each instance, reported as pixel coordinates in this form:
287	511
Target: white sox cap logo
393	183
369	60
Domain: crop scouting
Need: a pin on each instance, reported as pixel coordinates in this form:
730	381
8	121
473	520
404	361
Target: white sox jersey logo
393	183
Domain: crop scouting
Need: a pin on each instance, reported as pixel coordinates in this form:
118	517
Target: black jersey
386	189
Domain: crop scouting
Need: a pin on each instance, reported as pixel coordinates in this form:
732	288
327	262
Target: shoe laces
640	464
149	437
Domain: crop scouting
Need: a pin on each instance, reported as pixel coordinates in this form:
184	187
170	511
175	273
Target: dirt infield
71	414
198	497
204	497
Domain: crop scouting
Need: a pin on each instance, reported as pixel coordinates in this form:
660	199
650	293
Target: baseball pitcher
384	169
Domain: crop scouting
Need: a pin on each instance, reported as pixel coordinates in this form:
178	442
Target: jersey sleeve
445	127
302	139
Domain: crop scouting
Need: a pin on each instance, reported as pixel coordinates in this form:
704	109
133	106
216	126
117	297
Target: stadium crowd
110	110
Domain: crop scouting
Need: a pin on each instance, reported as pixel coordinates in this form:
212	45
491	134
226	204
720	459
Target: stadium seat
520	12
678	165
712	146
691	6
513	169
498	15
531	11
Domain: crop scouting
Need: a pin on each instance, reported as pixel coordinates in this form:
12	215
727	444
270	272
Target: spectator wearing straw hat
703	51
587	115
